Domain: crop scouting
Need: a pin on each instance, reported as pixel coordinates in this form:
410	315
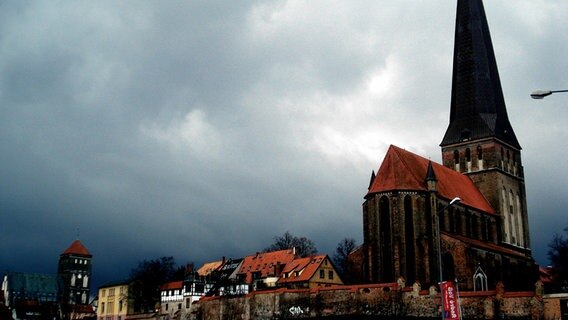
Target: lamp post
540	94
454	201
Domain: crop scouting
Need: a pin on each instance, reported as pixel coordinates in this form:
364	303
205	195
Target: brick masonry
392	300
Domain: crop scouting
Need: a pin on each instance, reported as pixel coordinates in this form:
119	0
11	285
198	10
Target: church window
465	135
409	238
456	160
520	222
502	158
85	281
468	159
452	220
479	158
459	226
479	280
73	279
467	217
505	216
385	239
475	227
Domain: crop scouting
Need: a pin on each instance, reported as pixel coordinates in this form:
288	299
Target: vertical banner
451	309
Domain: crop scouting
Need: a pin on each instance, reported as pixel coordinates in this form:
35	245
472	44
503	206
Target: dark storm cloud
201	129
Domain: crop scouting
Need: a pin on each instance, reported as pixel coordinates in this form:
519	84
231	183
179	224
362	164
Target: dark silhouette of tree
304	246
341	257
146	279
558	255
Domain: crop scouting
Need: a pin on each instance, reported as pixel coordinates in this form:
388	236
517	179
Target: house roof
209	267
489	246
172	285
302	269
267	263
403	170
77	248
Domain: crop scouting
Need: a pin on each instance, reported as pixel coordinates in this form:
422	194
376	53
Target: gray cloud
203	129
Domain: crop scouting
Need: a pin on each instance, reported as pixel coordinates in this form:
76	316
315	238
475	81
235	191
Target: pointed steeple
431	180
371	180
477	105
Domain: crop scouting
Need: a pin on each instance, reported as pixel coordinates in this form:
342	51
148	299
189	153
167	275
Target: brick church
411	225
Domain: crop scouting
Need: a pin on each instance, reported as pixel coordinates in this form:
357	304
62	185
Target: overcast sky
202	129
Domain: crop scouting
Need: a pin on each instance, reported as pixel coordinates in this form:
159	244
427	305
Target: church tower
74	274
480	141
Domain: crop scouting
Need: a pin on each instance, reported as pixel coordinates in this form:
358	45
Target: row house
113	301
309	272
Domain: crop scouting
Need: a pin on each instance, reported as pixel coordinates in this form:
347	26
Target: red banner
451	308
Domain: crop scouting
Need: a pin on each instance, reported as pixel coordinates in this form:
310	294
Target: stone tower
74	274
480	141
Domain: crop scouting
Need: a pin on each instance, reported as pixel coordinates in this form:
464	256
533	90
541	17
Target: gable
403	170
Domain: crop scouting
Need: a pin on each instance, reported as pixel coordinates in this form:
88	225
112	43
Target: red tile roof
77	248
301	269
404	170
267	263
172	285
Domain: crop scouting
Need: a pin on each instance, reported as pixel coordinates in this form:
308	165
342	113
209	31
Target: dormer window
465	135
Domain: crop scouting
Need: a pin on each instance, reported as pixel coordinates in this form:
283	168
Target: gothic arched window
409	239
385	240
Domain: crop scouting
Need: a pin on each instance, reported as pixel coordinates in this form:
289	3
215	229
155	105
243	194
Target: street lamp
540	94
454	201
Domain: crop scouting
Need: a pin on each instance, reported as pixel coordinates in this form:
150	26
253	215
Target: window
111	292
330	274
179	306
167	307
103	307
103	292
187	303
322	274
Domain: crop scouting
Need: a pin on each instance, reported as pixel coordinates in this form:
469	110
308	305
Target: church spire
477	105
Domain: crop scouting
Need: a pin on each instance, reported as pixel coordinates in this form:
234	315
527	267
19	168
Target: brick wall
368	301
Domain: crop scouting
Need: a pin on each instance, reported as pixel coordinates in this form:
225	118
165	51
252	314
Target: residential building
263	269
309	272
485	237
113	301
30	296
226	281
172	300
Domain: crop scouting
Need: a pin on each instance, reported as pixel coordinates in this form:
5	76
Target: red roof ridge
77	248
404	170
172	285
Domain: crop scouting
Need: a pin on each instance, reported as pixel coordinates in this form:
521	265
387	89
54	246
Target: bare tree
558	255
146	279
304	246
341	257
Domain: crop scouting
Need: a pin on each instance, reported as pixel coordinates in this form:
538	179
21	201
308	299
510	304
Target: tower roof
477	105
77	248
402	170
